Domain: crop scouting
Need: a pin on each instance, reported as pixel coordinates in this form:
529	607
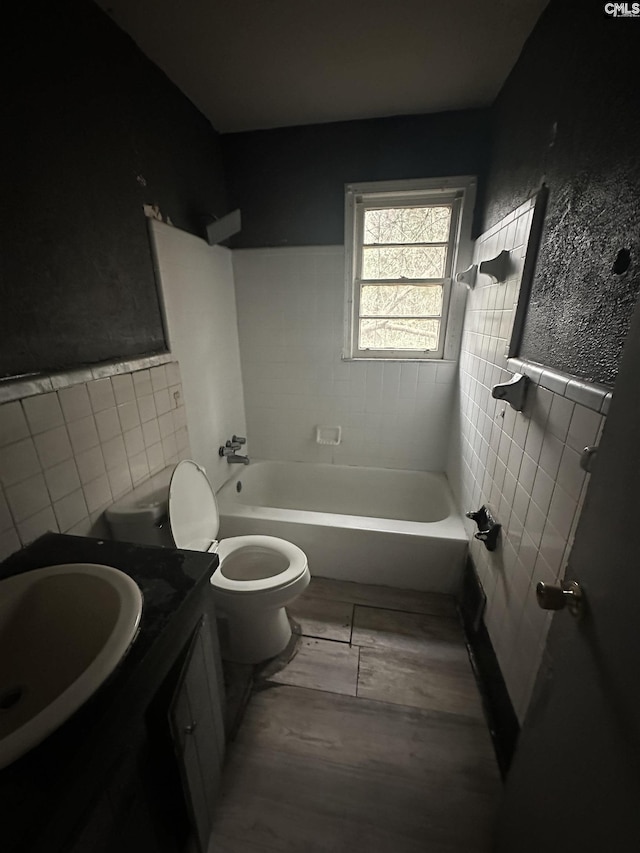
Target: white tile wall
290	305
65	455
524	465
200	312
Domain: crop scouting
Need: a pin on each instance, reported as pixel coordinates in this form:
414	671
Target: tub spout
236	457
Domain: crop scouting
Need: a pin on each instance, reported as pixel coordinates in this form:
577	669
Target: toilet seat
270	550
248	564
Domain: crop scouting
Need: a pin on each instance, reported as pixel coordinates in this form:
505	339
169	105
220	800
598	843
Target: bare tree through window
404	256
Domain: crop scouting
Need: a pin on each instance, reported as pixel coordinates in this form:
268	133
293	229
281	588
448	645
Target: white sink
63	630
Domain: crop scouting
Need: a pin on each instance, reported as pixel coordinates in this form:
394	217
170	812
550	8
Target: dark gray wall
92	130
569	115
289	182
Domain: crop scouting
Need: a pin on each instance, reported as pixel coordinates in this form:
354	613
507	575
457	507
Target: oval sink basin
63	630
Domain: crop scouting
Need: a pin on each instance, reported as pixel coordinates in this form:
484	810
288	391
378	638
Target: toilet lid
193	509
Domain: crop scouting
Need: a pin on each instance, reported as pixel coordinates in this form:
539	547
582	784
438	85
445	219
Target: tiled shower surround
66	454
68	449
290	304
524	465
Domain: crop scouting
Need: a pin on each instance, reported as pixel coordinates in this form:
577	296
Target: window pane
407	225
395	333
401	299
403	262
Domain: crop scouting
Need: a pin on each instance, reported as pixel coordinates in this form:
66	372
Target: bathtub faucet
229	450
235	457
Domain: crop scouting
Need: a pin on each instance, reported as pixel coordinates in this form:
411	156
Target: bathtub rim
450	527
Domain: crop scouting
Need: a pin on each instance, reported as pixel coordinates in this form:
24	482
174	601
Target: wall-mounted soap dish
328	435
497	268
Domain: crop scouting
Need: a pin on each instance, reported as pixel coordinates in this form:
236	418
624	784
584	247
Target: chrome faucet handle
231	445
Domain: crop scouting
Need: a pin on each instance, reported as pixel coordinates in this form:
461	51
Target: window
402	246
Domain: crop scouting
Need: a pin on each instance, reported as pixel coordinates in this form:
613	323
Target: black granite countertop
174	584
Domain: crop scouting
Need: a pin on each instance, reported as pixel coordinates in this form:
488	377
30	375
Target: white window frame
457	191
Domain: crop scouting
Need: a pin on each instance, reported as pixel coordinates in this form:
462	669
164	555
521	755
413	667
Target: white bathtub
371	525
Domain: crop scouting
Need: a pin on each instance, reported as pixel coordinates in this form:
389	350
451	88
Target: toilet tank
140	516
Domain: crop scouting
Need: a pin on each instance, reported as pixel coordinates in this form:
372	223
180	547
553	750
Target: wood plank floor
369	738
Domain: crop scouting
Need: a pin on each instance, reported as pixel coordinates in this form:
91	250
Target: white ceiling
249	64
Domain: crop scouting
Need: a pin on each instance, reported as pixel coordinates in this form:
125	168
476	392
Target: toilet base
256	637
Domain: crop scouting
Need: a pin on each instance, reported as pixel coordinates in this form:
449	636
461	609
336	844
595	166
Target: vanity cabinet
197	727
163	788
129	771
122	819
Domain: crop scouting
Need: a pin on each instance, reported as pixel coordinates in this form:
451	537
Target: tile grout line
353	619
325	639
410	612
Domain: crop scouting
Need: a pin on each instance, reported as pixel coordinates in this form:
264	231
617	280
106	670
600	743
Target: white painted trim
420	185
454	295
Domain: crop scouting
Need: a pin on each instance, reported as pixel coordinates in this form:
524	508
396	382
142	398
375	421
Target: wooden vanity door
197	729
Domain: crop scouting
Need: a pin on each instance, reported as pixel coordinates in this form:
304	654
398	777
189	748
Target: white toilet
257	576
